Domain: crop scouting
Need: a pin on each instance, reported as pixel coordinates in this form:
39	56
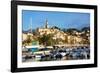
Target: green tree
28	41
46	40
71	31
55	27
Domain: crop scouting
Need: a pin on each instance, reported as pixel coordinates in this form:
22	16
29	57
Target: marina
56	53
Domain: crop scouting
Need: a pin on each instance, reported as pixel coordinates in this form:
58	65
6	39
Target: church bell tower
46	24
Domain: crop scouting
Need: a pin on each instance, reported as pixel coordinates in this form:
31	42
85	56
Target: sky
63	20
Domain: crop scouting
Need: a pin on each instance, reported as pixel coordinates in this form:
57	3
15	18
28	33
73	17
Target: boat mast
31	25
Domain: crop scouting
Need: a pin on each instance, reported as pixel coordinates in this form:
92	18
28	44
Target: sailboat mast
31	25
